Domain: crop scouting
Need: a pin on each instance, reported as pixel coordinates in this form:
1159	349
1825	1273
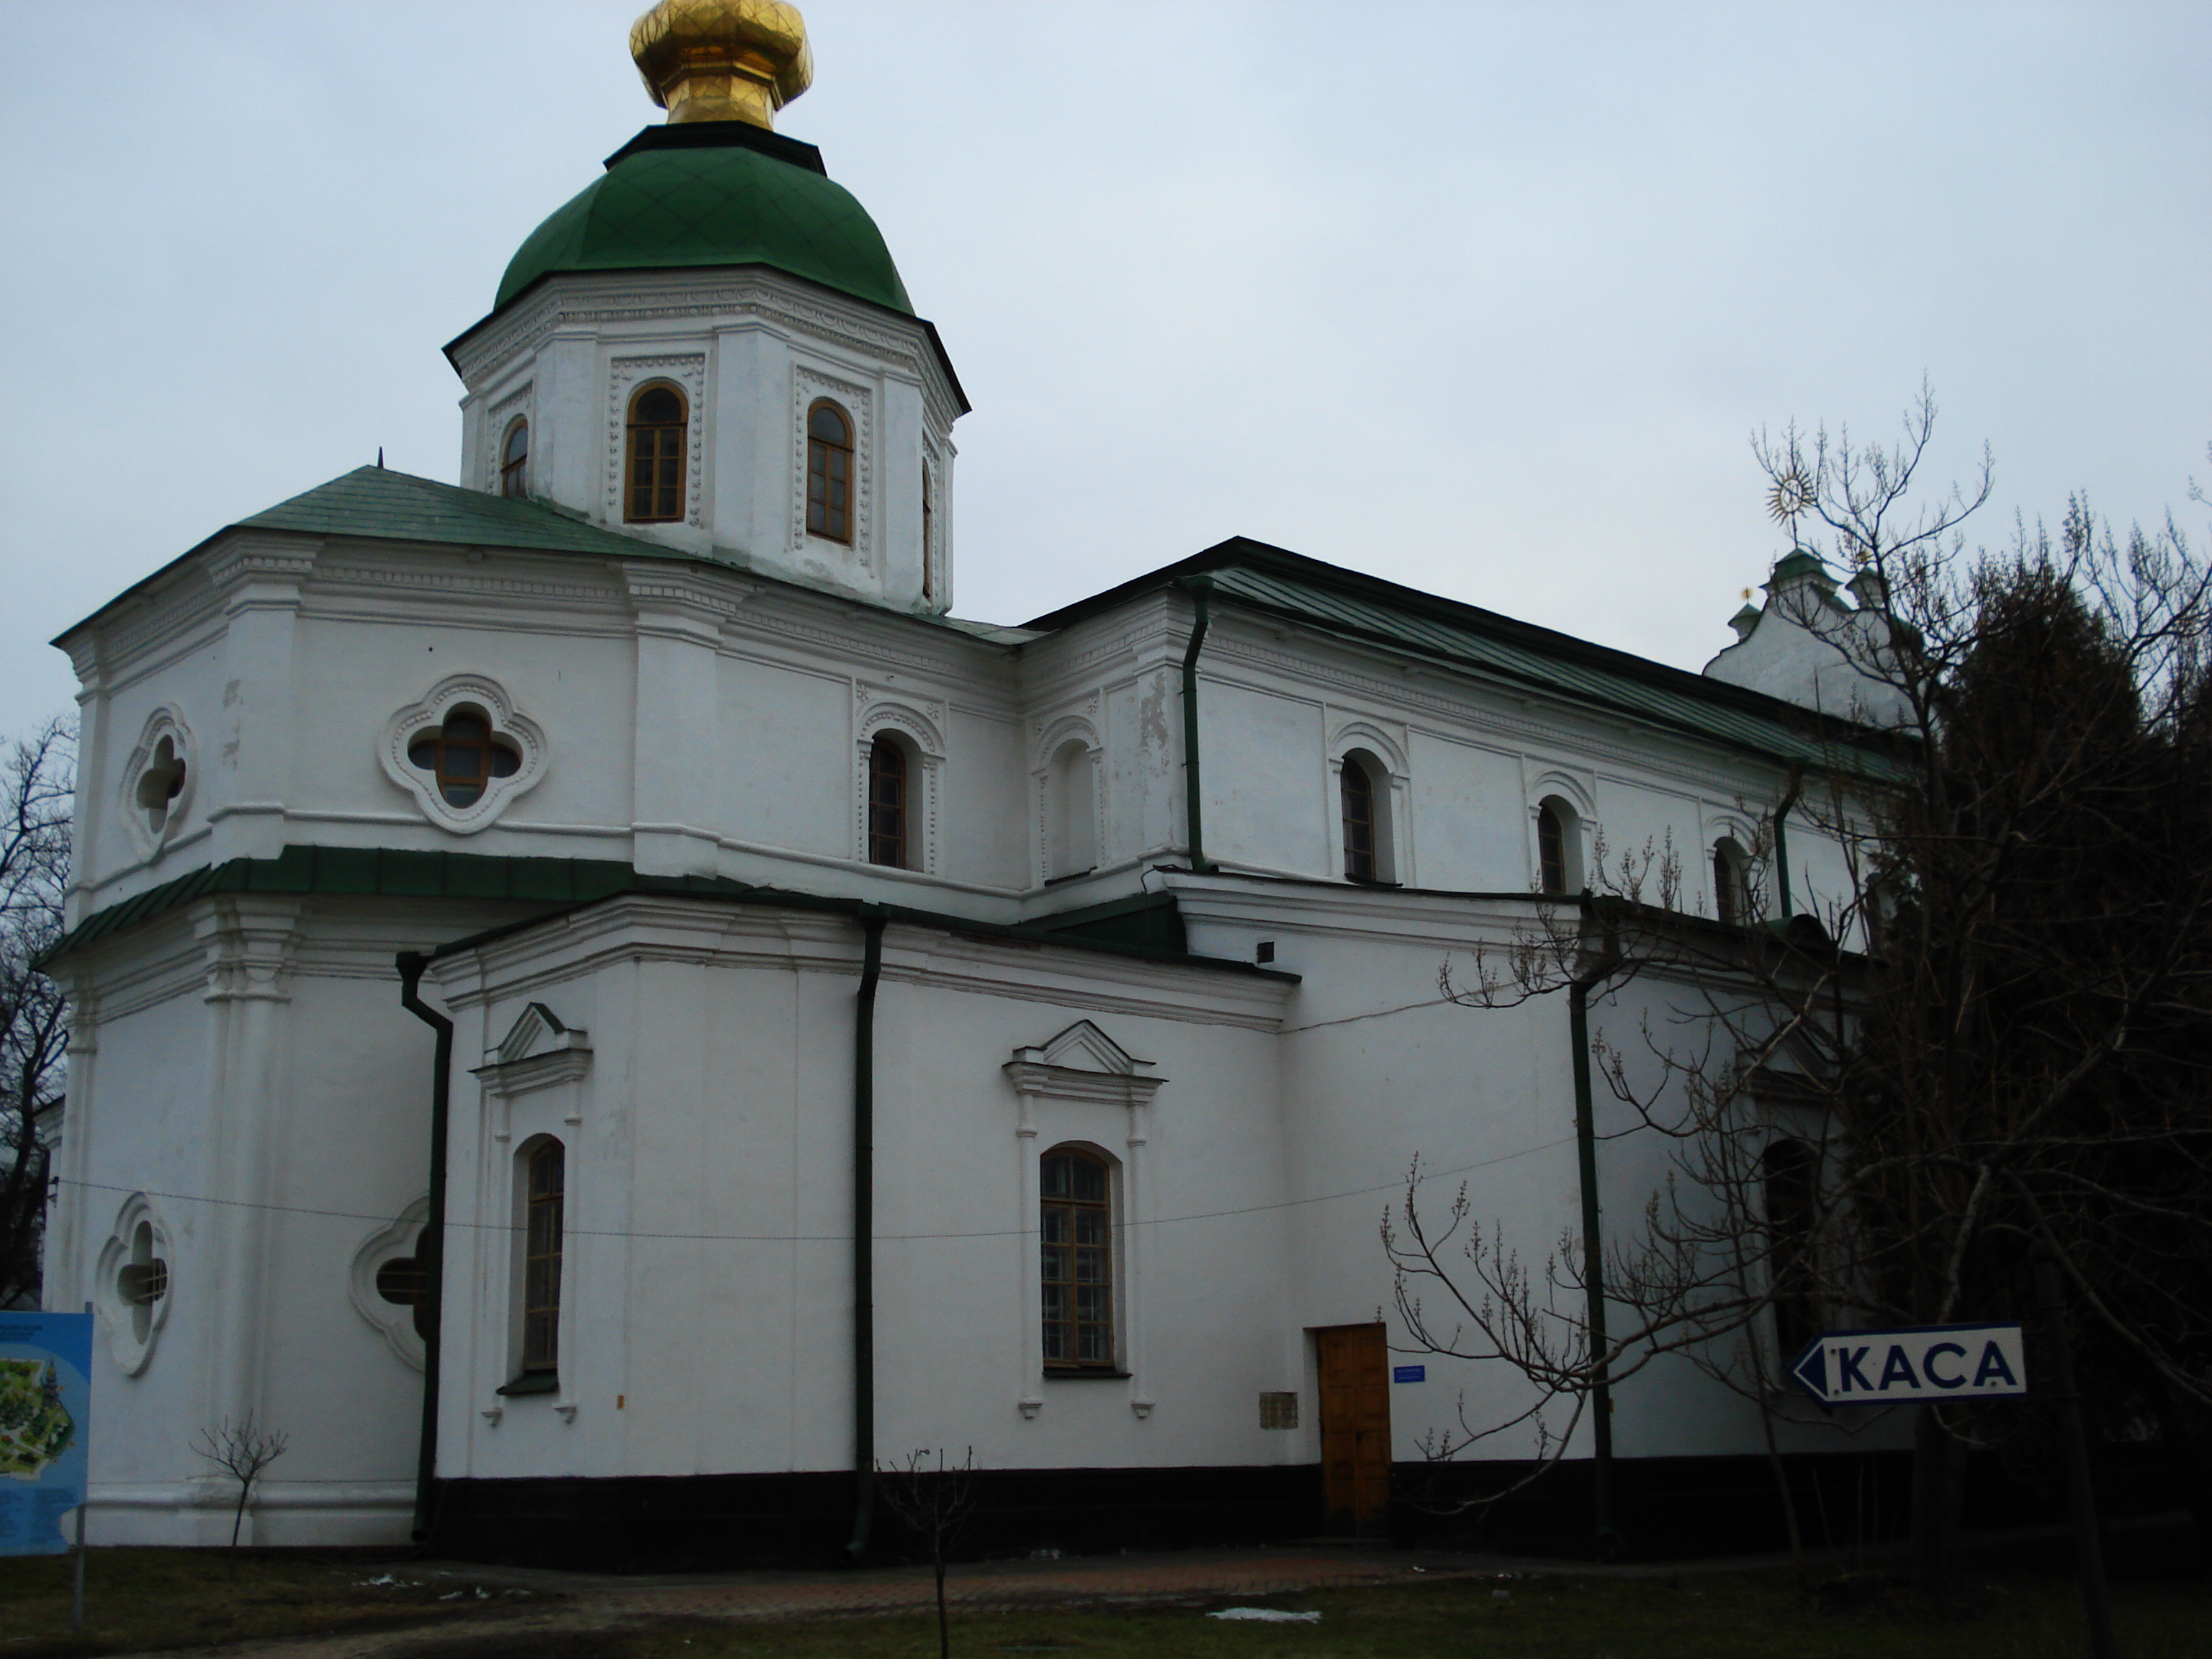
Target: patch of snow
1267	1615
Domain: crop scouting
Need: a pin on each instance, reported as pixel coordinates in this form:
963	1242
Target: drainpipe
411	964
1782	835
1608	1537
1200	589
864	1228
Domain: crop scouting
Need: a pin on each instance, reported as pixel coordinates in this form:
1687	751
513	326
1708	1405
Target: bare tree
1992	1032
936	1500
242	1449
38	781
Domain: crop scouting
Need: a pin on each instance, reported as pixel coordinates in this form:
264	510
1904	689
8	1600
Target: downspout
1607	1536
411	964
864	1228
1782	835
1200	589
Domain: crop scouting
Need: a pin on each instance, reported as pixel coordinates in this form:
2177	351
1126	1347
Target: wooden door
1355	1427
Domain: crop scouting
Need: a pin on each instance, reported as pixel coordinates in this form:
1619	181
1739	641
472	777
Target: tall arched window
1075	1233
1072	810
544	1200
653	490
1357	794
1558	855
1731	883
929	534
464	755
828	472
515	460
887	802
1791	1170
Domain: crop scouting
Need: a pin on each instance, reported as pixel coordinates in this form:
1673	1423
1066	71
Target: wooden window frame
659	446
1790	1192
544	1226
1061	1229
1552	829
513	468
1731	884
890	804
832	522
448	757
1361	824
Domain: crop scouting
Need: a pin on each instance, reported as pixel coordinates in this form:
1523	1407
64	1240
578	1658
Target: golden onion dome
723	60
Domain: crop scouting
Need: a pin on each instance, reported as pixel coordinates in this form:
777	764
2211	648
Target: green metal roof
378	503
1157	935
1348	604
677	202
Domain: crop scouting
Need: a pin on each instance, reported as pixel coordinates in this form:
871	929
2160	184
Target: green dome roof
678	197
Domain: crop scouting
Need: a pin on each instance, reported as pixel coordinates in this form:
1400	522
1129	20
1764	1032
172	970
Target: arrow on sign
1915	1362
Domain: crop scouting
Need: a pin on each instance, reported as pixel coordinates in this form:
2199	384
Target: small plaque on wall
1278	1411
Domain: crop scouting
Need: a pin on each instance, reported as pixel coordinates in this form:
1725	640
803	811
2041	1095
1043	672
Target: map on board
46	1418
35	1426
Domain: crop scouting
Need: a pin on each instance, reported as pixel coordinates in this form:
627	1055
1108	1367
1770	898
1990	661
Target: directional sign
1917	1362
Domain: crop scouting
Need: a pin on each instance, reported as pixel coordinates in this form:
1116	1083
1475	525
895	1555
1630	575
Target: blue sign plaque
45	1399
1409	1373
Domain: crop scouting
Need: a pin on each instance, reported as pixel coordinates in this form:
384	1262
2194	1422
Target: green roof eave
560	885
1469	639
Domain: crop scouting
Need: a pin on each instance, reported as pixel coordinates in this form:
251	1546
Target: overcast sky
1481	298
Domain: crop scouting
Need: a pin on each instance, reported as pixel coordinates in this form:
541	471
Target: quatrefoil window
403	1282
142	1281
464	755
161	783
464	752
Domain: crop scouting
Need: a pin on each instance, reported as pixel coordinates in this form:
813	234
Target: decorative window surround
1049	739
808	385
164	753
1083	1067
138	1240
624	376
394	1322
1394	852
493	440
538	1052
421	719
922	723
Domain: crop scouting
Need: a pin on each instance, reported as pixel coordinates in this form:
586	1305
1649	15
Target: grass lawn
142	1599
136	1599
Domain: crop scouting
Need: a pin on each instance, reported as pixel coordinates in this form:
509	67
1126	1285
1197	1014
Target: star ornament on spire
722	60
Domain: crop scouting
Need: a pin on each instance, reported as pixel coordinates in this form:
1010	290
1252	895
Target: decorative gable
536	1052
1083	1063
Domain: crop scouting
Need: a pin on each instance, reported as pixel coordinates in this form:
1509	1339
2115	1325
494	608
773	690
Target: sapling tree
242	1449
936	1499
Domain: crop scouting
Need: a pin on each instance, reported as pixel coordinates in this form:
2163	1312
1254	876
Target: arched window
887	802
1071	810
1731	883
1075	1231
928	533
544	1199
1356	793
1558	850
654	491
464	755
515	460
1791	1172
830	472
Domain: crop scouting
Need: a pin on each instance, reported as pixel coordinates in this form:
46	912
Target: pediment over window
537	1050
1083	1063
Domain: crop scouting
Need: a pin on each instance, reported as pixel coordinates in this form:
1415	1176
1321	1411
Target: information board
45	1399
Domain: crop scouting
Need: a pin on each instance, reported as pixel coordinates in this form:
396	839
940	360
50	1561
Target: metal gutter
1200	589
411	964
864	1230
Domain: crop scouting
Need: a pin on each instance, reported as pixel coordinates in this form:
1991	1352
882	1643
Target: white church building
602	1006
